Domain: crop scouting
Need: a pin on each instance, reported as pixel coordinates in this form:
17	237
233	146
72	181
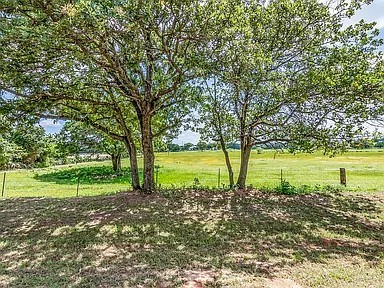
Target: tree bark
245	142
148	154
116	163
228	163
245	151
133	162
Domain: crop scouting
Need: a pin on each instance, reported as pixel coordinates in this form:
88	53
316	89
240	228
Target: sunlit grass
365	172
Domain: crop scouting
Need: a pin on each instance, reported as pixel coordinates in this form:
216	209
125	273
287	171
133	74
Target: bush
286	188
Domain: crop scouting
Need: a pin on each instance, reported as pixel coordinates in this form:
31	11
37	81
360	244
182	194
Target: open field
217	239
365	172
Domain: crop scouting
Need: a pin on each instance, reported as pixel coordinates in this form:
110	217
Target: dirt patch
281	283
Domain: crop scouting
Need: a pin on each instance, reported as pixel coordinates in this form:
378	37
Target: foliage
76	137
291	74
122	67
286	188
23	143
88	175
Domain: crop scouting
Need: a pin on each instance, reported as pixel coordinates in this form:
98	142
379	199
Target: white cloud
187	136
51	123
52	126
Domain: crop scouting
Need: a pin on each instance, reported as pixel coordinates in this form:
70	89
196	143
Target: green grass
223	240
365	172
164	240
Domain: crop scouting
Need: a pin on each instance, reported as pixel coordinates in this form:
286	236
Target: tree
75	138
215	113
187	146
174	147
23	142
202	145
292	75
136	54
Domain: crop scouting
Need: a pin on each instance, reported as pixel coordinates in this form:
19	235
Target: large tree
140	53
291	74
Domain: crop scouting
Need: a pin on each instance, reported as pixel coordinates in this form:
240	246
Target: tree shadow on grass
128	240
87	175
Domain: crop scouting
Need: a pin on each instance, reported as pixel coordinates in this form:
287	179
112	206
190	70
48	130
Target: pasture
365	172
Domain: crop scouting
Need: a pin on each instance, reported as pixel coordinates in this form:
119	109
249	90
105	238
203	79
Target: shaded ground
87	175
215	239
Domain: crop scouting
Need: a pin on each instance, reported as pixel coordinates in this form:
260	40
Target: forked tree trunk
245	155
148	154
228	163
116	163
134	167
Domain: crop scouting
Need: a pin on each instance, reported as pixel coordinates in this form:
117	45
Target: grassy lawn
365	172
365	169
215	238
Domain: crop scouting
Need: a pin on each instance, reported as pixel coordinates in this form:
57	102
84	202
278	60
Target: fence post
343	177
281	175
218	180
3	189
78	185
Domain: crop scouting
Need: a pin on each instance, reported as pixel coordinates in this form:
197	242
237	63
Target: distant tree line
25	144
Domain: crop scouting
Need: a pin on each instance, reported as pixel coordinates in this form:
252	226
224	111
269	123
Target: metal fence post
3	189
281	175
78	185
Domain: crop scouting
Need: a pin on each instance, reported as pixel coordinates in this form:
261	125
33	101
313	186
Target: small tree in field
75	138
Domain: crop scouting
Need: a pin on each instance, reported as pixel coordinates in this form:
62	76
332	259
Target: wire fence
64	184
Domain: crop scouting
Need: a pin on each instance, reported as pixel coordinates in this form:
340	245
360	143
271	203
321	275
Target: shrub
286	188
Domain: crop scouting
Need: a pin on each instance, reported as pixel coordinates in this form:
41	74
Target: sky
370	13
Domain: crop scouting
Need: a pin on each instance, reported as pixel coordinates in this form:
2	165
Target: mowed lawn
365	172
194	239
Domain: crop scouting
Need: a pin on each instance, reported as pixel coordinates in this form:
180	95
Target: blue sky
370	13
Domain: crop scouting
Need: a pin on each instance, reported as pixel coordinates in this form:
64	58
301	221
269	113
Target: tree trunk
228	163
134	167
245	143
148	154
245	151
116	163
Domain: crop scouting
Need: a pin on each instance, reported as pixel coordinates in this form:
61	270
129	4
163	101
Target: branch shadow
131	240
